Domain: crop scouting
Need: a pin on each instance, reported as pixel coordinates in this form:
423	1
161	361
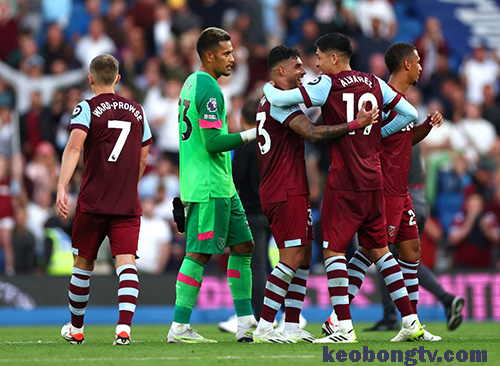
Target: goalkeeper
215	216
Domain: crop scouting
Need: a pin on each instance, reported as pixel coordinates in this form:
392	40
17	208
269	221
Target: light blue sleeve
81	114
387	93
316	92
280	114
282	98
406	114
146	135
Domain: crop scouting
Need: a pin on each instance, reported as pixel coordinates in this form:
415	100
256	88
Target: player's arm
147	139
421	131
215	142
70	158
313	93
304	127
406	113
144	160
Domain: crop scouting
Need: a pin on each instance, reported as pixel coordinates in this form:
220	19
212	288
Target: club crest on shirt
391	230
221	243
76	111
212	105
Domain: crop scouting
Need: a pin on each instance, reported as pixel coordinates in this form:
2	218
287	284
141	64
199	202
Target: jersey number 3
266	146
125	130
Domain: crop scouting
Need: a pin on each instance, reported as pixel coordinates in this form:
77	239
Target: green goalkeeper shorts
214	225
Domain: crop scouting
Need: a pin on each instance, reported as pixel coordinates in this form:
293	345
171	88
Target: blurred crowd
47	45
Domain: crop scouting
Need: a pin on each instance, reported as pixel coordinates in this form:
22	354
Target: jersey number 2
125	130
349	99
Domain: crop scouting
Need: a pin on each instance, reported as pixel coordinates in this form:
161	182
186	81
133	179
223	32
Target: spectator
55	48
30	127
114	22
430	45
155	238
81	17
163	176
23	243
478	71
57	12
6	131
6	216
6	95
43	170
38	210
367	10
474	233
27	48
25	84
473	135
491	107
8	30
95	43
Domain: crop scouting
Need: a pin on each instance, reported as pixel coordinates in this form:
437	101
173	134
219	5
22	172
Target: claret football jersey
281	154
117	129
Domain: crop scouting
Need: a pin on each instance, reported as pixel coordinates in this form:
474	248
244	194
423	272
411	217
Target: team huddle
370	128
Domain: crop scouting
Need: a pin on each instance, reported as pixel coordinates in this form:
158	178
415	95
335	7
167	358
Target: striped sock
239	278
79	290
393	278
336	272
128	291
356	270
276	289
187	289
296	294
410	272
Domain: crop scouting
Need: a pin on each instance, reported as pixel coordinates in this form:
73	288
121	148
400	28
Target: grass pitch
44	346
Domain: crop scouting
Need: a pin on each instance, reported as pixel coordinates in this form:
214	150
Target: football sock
239	278
336	272
294	299
393	279
79	290
187	289
276	288
356	270
410	270
128	291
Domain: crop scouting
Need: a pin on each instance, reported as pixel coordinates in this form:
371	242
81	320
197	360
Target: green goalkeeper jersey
203	175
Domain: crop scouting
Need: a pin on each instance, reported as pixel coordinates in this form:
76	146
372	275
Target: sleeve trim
287	121
210	124
79	126
307	99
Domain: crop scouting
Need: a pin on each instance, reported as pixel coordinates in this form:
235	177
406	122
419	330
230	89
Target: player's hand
436	119
365	117
62	202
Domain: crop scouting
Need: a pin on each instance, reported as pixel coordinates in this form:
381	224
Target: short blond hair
104	69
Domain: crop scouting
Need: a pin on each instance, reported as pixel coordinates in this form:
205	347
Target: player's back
355	157
395	158
281	157
112	153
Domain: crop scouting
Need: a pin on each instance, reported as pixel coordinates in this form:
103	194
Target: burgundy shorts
290	221
89	230
401	219
346	212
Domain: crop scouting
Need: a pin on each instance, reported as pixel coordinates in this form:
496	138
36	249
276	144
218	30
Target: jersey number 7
125	130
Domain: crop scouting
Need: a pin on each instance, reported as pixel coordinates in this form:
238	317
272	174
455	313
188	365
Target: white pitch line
27	342
143	359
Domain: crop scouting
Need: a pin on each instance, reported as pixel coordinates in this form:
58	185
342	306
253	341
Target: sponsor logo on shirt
209	116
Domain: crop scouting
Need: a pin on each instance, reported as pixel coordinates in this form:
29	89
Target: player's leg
289	224
123	236
339	222
88	234
294	299
239	273
200	237
374	239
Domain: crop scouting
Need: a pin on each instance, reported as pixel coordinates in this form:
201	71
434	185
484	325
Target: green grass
44	346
